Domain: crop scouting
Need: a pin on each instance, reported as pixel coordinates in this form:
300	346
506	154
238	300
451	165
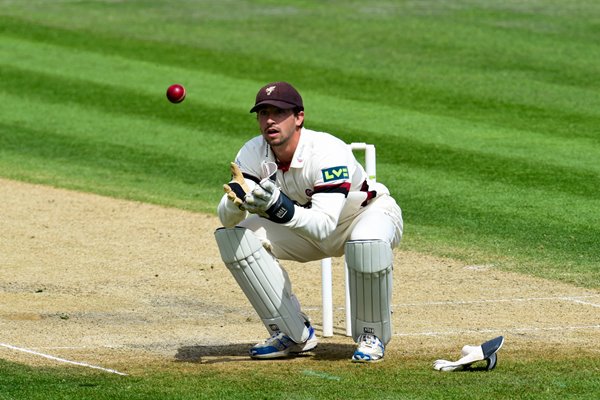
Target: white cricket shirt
324	179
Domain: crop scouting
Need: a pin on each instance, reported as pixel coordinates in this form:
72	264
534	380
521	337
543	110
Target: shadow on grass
239	353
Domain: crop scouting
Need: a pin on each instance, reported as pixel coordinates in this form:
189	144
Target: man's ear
299	118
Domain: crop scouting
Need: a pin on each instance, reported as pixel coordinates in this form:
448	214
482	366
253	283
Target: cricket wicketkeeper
298	194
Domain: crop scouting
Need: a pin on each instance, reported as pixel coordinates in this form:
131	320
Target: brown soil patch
123	284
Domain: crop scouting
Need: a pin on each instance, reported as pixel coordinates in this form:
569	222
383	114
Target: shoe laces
370	341
279	337
285	340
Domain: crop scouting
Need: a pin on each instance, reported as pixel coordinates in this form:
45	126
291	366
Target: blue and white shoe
281	345
370	349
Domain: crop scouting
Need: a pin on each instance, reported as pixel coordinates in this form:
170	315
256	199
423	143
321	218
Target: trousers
381	219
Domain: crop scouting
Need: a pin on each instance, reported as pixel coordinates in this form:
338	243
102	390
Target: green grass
485	116
412	379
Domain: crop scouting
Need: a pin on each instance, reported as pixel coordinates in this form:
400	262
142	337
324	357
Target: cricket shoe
369	349
281	345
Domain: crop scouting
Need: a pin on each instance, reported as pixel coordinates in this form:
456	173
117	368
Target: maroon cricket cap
278	94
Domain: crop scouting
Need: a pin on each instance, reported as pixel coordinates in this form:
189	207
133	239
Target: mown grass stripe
127	159
116	99
432	90
467	163
404	152
120	99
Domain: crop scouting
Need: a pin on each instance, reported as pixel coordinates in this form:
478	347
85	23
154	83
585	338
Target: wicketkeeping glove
471	354
237	189
268	201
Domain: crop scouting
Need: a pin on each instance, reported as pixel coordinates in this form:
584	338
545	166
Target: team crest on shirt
335	173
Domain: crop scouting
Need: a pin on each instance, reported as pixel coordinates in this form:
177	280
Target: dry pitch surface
124	285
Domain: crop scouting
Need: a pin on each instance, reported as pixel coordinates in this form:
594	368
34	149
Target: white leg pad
262	280
370	280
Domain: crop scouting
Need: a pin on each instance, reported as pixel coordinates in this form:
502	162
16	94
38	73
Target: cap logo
269	90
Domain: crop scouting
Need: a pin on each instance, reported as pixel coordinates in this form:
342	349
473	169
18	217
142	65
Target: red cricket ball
176	93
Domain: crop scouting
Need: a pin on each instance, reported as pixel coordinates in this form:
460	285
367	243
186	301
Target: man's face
278	125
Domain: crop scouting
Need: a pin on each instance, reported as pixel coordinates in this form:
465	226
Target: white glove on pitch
470	354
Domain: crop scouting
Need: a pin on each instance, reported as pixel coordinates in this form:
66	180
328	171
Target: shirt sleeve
332	183
229	214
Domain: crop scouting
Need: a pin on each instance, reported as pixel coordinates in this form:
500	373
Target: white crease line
81	364
514	330
587	303
575	299
61	348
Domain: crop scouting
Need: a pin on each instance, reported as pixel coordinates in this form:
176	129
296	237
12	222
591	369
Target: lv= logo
334	173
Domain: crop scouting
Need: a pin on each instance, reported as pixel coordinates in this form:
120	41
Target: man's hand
268	201
236	189
262	197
